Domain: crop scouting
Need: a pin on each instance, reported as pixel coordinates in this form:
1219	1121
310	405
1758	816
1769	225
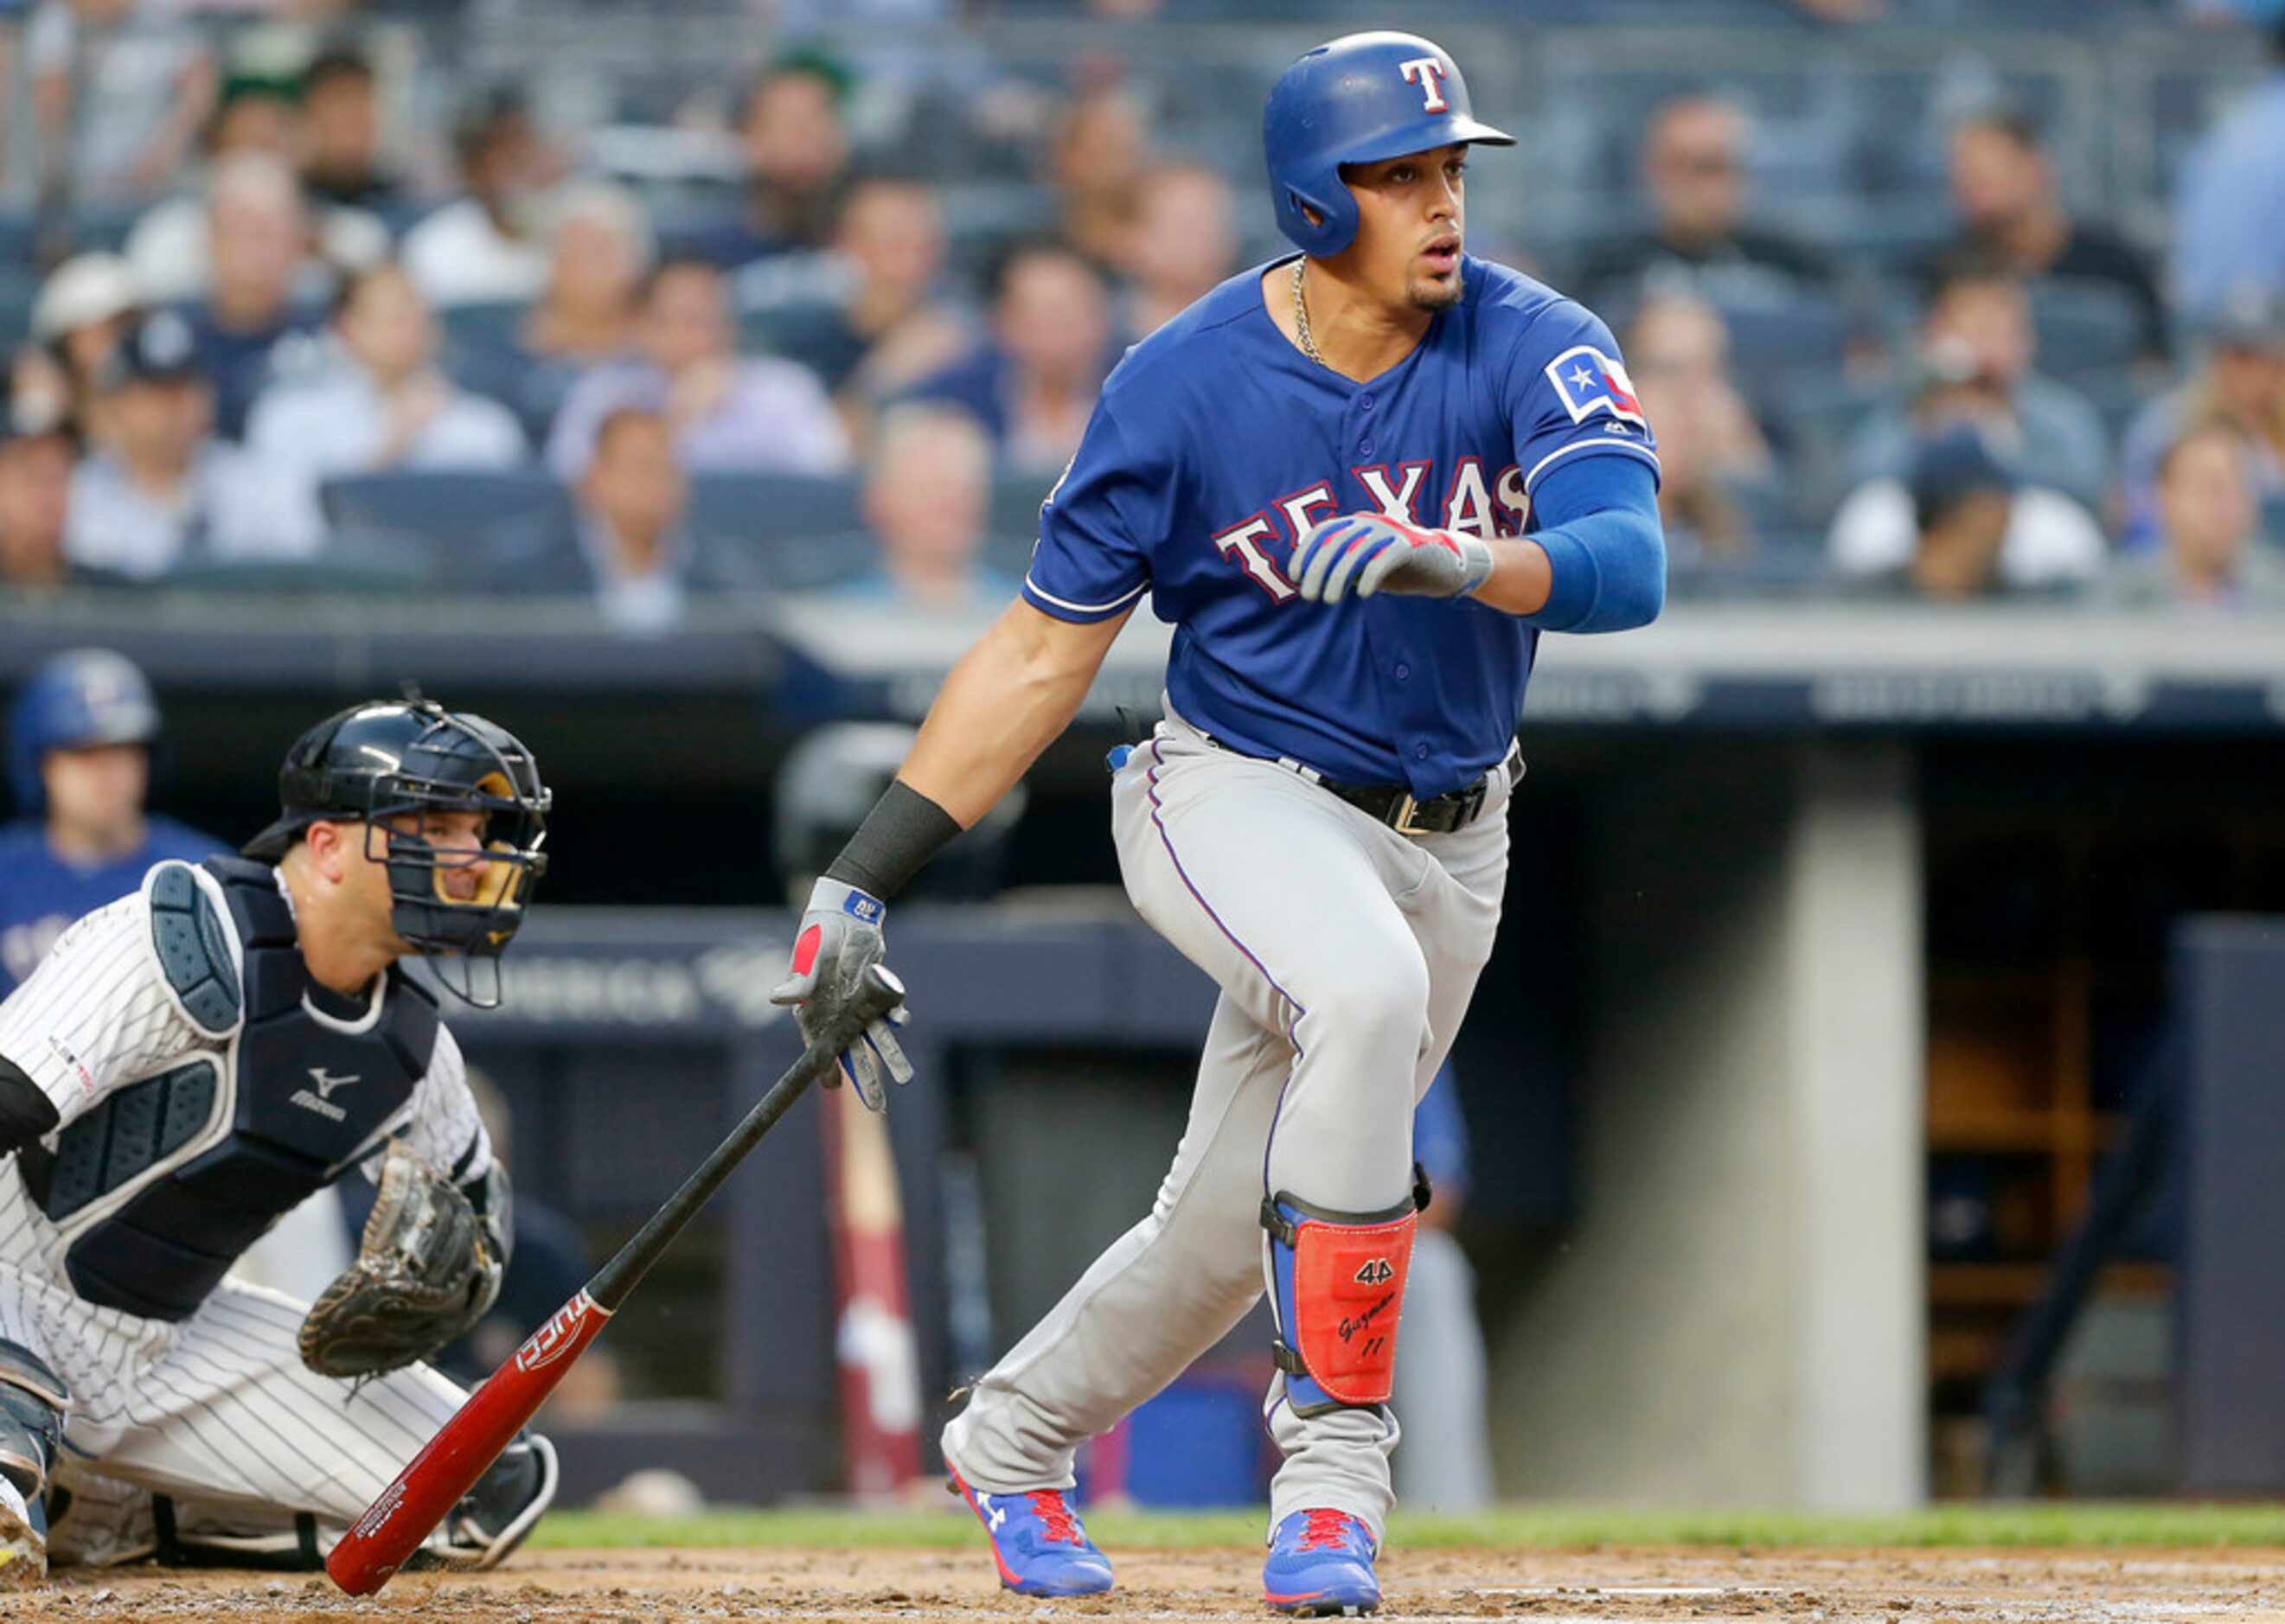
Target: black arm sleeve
904	829
26	1112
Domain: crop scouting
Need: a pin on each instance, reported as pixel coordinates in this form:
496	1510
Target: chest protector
304	1100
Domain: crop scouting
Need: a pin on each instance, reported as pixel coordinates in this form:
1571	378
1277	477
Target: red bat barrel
449	1465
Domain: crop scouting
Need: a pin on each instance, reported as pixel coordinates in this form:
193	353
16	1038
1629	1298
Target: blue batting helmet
79	699
1357	99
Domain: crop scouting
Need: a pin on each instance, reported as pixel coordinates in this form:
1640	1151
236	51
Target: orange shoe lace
1055	1519
1325	1530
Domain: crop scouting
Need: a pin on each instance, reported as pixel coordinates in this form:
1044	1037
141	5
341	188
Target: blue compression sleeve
1598	518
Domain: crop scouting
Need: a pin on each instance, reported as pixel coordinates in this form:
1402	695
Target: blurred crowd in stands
264	333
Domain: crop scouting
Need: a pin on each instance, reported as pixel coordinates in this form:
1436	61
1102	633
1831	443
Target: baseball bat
450	1463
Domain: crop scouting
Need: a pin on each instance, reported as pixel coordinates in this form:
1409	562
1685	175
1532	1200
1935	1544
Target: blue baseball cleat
1038	1542
1321	1567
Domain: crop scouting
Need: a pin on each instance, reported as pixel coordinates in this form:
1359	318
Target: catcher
189	1065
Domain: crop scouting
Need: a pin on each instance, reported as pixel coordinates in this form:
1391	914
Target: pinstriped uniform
217	1406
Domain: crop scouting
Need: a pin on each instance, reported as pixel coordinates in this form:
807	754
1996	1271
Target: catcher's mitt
426	1271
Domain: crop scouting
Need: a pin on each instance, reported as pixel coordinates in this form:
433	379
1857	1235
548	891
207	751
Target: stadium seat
1016	506
1776	348
798	532
349	568
444	515
774	507
19	240
19	289
2083	327
490	324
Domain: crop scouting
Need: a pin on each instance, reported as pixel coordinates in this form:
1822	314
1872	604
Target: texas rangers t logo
1429	73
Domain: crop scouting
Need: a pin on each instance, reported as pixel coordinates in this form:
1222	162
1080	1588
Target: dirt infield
1441	1587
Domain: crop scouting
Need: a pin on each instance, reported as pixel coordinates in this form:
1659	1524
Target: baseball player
79	762
1360	481
191	1061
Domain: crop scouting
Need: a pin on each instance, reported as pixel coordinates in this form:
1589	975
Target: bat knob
881	992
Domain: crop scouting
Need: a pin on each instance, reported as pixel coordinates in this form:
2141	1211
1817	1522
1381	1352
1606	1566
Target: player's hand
839	939
1364	553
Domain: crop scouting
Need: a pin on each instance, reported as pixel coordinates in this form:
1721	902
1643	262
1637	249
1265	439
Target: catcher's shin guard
1337	1282
33	1405
498	1512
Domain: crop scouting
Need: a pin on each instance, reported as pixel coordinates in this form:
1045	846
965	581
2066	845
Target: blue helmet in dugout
76	701
1358	99
390	757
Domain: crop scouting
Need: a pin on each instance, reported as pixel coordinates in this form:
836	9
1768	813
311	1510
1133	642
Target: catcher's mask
385	763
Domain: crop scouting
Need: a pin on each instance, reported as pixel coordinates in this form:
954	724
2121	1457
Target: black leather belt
1396	805
1402	812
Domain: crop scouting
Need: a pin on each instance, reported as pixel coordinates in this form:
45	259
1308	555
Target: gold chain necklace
1301	313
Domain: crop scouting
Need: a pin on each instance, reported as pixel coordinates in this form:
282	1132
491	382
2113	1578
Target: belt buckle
1402	823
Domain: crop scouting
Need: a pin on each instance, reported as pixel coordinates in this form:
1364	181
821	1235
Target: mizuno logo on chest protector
327	1082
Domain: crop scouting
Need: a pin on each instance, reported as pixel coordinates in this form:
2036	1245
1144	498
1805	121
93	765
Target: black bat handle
879	993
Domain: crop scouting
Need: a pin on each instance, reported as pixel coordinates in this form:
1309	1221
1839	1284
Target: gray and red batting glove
839	939
1371	552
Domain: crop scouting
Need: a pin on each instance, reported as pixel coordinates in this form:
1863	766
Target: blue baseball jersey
40	893
1217	444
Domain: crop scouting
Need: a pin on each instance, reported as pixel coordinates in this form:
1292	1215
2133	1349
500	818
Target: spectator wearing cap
797	156
1977	331
2241	375
2004	186
159	490
2210	552
37	455
2229	206
928	500
1694	168
342	159
120	89
379	403
83	308
1960	520
729	412
1180	245
1033	382
484	247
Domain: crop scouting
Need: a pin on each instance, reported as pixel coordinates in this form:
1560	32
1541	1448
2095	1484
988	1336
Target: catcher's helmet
76	701
388	756
1357	99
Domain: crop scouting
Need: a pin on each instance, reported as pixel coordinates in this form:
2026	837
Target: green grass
2054	1524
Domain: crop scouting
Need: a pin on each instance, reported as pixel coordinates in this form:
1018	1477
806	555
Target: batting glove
1369	552
839	940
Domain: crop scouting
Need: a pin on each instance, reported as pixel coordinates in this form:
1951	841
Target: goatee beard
1437	297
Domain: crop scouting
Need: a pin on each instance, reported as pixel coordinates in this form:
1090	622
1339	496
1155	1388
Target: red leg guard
1340	1305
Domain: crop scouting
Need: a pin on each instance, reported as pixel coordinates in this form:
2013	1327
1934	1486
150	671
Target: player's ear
328	843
